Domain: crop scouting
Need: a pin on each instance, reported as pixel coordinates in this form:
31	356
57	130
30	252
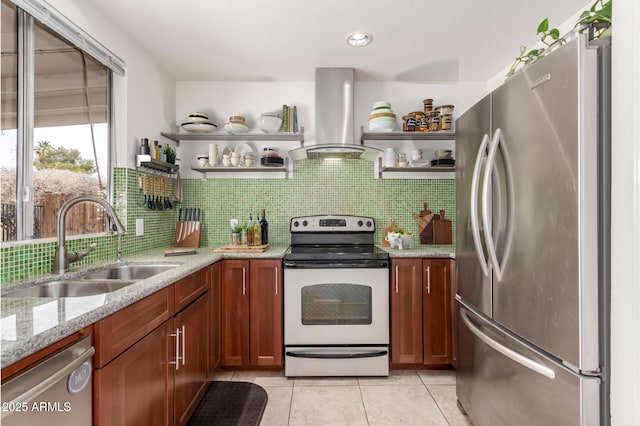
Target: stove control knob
305	223
296	224
360	223
369	224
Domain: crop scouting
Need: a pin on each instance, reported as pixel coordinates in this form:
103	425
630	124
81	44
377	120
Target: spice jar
409	123
434	121
445	109
402	160
428	105
445	121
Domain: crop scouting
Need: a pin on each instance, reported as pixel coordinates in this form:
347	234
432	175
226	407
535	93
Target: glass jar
428	105
434	121
446	121
409	123
402	160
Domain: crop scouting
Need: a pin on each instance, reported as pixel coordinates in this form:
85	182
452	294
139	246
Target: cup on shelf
203	160
235	161
226	161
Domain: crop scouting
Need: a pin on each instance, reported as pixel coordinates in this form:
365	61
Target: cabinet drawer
190	288
114	334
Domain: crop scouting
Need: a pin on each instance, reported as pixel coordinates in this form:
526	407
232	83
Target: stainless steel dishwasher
57	391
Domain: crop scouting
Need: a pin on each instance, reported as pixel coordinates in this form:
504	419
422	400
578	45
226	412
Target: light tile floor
406	397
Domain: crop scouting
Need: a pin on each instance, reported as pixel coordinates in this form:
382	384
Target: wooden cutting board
385	231
242	248
442	232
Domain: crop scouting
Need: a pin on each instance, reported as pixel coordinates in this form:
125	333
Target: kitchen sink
70	288
126	272
97	281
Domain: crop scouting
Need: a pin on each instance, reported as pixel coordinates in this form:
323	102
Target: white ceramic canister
213	154
390	159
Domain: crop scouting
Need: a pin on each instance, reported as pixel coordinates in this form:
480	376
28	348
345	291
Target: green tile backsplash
317	187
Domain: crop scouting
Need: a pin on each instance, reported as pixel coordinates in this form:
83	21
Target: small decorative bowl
269	123
443	153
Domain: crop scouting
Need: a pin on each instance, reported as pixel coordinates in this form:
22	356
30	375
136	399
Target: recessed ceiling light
359	39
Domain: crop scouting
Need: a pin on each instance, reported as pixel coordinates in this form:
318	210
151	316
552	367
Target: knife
197	215
180	214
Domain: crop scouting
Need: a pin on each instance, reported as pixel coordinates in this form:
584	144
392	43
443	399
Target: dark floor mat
230	403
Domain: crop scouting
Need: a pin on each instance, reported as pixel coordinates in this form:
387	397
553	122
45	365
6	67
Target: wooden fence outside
83	218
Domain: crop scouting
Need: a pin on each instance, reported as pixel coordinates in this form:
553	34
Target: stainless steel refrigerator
532	256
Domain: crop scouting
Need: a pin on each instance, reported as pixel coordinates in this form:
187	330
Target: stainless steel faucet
62	258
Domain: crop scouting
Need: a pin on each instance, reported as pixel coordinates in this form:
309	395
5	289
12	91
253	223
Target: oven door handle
360	264
337	355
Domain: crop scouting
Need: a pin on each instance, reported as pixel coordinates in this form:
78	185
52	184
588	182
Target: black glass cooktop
332	252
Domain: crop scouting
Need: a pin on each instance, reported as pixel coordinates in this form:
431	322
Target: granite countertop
29	324
420	250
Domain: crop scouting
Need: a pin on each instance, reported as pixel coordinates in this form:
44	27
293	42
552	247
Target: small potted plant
236	232
170	153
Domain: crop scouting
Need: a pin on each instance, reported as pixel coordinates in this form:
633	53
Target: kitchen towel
230	403
177	189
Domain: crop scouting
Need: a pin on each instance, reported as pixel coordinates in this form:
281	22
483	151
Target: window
55	120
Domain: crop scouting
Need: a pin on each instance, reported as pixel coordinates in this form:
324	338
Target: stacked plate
236	125
197	122
382	118
271	157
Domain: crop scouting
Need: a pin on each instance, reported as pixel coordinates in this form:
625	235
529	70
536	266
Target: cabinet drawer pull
428	280
276	280
396	278
177	336
244	281
184	352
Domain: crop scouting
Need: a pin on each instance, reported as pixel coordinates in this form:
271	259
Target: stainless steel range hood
335	136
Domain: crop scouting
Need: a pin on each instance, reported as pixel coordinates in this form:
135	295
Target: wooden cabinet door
136	387
437	312
190	374
406	311
266	312
234	324
214	305
190	288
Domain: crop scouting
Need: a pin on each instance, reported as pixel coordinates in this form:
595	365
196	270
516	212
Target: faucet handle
75	256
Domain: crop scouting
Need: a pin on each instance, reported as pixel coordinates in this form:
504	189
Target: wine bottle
265	228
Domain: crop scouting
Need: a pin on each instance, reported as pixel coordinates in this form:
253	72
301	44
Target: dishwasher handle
43	386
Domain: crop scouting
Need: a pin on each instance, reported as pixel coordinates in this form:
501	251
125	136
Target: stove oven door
336	306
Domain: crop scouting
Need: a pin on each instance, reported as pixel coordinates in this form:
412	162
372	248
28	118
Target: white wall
222	99
625	232
145	96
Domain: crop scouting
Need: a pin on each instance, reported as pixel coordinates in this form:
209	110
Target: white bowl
198	115
443	153
377	125
199	127
269	123
236	128
196	120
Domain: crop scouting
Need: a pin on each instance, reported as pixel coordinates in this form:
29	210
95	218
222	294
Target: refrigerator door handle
509	353
498	141
475	228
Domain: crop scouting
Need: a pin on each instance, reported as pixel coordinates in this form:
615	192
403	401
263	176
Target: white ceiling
285	40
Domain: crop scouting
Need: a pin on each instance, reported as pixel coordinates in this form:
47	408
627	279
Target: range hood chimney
335	135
